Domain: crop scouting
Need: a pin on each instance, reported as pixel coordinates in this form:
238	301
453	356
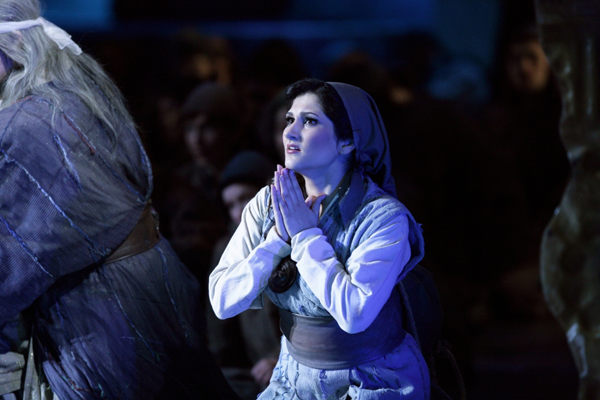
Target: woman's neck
320	183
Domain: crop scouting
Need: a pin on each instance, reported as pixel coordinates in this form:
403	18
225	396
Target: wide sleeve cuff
276	245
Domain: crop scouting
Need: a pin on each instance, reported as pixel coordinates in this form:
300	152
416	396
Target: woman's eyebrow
307	113
302	114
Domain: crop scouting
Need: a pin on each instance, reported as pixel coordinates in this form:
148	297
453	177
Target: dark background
501	358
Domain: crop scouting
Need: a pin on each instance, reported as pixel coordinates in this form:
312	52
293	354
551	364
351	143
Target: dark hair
523	34
249	167
331	103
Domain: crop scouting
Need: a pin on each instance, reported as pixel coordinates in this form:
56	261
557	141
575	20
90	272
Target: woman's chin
289	164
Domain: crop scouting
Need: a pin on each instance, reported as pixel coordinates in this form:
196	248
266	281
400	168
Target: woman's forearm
241	276
246	264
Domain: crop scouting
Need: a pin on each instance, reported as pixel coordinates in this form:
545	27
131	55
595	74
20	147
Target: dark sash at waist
319	342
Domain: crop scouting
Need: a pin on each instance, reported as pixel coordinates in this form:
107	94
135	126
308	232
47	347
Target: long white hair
37	60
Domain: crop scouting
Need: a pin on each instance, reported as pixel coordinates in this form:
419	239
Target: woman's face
309	140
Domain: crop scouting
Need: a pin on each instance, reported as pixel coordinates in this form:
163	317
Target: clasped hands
293	213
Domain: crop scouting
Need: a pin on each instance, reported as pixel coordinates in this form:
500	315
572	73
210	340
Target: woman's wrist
275	241
286	239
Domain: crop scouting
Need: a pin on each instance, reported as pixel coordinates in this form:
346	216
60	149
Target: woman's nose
292	131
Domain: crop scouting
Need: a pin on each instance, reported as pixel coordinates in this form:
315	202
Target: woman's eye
289	120
310	121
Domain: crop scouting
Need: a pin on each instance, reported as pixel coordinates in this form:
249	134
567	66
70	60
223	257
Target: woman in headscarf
114	313
327	242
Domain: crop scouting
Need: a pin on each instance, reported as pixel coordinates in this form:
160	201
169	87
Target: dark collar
347	197
338	192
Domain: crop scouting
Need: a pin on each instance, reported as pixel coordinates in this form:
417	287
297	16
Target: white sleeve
246	263
354	298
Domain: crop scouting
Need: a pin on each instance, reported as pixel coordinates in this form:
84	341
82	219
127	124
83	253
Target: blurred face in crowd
203	141
527	68
235	197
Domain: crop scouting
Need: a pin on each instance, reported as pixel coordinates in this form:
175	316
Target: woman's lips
290	149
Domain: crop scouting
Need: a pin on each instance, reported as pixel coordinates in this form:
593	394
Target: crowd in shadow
482	174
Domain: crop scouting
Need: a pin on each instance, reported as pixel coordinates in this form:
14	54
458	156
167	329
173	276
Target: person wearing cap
211	120
328	242
245	346
94	303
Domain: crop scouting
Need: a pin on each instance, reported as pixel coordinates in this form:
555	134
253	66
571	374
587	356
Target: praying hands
293	213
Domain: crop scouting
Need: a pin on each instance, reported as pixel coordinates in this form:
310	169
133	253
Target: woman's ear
345	147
